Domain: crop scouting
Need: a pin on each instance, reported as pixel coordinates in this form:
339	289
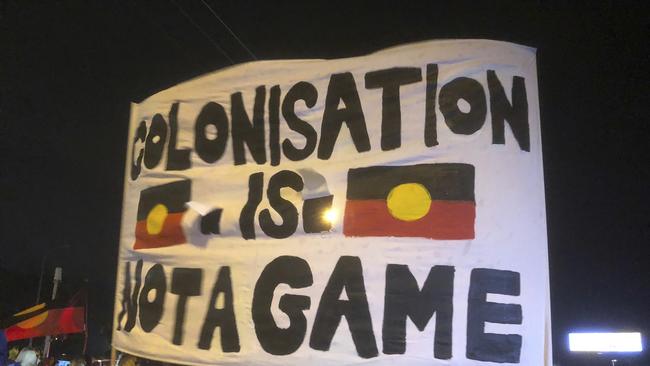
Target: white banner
385	209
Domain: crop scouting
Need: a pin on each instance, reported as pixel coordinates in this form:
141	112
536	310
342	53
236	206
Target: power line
229	30
206	35
172	40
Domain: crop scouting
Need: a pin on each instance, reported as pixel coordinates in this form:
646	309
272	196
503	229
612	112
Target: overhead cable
229	30
205	34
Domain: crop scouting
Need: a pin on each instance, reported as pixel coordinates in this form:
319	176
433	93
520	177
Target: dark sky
69	70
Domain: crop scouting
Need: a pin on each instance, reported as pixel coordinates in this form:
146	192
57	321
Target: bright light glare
330	216
605	342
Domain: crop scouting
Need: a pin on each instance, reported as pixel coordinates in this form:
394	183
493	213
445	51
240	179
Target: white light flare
331	216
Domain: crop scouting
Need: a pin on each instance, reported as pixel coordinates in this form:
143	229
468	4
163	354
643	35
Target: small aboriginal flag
160	212
41	320
434	201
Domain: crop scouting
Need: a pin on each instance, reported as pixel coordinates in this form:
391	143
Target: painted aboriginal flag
434	201
160	211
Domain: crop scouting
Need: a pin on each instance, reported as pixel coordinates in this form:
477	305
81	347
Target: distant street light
617	343
40	278
605	342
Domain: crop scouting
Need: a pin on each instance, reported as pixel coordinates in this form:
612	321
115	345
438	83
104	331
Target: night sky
68	71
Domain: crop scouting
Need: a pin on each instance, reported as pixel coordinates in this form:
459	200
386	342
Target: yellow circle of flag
33	321
409	201
156	219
